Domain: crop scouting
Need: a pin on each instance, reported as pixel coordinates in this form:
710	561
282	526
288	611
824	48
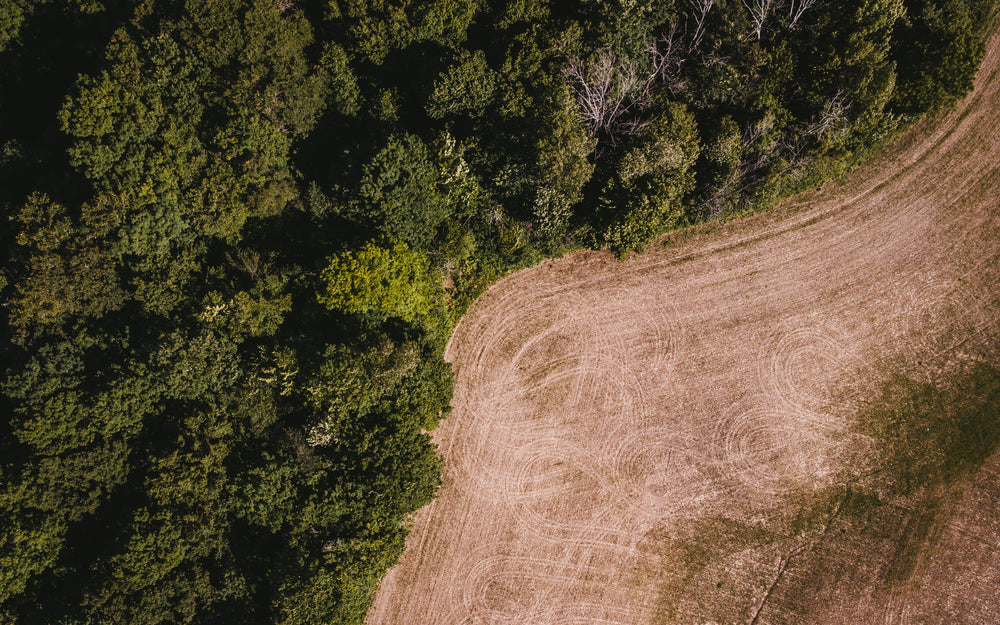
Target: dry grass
668	438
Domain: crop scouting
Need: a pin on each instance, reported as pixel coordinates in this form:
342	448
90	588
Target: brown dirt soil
632	440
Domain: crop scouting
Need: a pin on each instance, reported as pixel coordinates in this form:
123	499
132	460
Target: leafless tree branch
832	119
609	91
701	9
758	13
795	10
668	59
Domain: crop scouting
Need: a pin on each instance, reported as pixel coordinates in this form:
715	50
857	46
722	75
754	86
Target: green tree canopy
388	280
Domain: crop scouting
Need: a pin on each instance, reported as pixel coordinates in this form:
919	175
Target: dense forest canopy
239	232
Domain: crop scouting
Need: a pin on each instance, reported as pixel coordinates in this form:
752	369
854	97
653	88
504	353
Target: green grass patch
930	435
921	533
818	509
698	545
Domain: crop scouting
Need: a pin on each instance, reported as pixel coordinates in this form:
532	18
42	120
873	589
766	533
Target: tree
66	273
644	196
30	544
11	18
797	9
400	193
870	72
351	383
938	53
564	167
700	9
466	88
141	131
610	93
376	28
853	64
387	281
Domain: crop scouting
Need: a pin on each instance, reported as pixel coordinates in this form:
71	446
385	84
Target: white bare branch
701	9
832	120
668	59
609	91
758	13
796	9
793	151
753	134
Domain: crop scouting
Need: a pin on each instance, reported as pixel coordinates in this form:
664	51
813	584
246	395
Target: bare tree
701	9
668	59
793	151
722	195
758	13
832	120
753	133
795	10
609	91
758	151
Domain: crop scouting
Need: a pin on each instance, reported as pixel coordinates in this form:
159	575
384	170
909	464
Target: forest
238	233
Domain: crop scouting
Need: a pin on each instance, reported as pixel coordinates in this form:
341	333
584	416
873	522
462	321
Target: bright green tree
388	281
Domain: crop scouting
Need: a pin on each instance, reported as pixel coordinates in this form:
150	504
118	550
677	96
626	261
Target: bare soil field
671	438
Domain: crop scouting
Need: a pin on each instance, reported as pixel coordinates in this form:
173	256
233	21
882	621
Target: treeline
238	234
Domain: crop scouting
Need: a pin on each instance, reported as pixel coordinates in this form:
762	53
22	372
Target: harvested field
671	438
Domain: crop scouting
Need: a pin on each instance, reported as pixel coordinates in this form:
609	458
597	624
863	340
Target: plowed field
635	441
